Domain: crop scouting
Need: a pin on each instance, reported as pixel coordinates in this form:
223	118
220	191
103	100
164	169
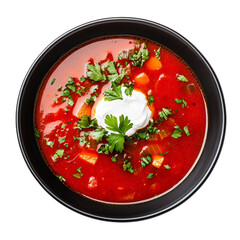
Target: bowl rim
132	20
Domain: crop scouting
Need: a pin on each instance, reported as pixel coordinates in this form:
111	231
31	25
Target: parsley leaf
181	78
104	149
95	73
91	100
114	93
116	140
98	134
124	124
62	179
111	67
117	78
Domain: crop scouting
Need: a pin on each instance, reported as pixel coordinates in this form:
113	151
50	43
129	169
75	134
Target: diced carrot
152	109
92	183
153	64
142	79
84	110
89	157
152	149
157	160
128	197
153	137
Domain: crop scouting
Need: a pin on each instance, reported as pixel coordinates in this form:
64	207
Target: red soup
121	120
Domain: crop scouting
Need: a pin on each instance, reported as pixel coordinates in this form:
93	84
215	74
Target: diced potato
89	157
157	160
154	64
142	79
92	183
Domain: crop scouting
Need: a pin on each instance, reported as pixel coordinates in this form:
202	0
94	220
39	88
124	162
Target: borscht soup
121	120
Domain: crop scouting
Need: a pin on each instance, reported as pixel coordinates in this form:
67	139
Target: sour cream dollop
134	106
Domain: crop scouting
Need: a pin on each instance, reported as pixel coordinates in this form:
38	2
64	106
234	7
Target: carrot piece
84	110
157	160
153	64
89	157
152	109
164	133
142	79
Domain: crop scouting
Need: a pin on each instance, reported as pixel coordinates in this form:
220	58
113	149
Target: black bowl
108	27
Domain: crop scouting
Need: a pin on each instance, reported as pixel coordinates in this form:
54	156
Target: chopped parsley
98	134
78	174
61	139
66	109
167	166
147	132
157	53
181	78
114	93
63	126
59	153
177	132
82	79
127	166
95	73
150	99
129	88
62	179
150	175
164	113
93	88
36	132
184	103
49	143
139	57
104	149
186	131
114	74
146	160
91	100
86	122
53	80
114	159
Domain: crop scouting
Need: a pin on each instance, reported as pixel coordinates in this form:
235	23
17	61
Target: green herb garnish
98	134
181	78
150	99
167	166
186	131
114	93
62	179
53	80
150	175
177	132
164	114
127	166
79	174
129	88
61	139
36	132
95	73
157	53
49	143
146	160
184	103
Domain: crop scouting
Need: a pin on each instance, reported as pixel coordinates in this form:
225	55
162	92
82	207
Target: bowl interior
115	27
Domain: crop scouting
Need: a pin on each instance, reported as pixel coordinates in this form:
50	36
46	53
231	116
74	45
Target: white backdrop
27	211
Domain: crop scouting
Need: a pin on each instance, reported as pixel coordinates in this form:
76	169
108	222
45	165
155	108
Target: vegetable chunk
89	157
153	64
142	79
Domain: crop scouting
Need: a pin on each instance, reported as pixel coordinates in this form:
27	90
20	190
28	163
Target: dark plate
108	27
